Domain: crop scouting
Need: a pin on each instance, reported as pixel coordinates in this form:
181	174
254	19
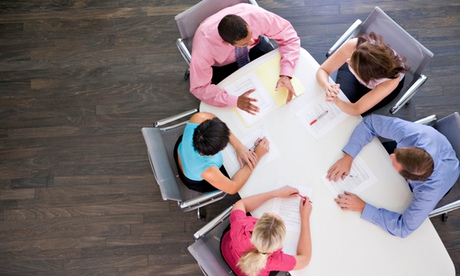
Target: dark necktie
242	56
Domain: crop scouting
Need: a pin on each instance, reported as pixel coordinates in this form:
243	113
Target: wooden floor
78	80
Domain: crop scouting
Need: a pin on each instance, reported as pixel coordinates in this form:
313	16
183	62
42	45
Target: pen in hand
304	198
319	117
255	145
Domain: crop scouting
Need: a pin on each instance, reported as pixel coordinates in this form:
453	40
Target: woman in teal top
199	158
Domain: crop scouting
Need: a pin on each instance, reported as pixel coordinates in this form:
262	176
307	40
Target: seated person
253	246
199	160
371	74
222	44
423	156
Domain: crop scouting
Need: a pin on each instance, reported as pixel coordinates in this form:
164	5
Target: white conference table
343	243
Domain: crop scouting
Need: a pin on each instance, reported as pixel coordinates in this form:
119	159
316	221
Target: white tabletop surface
343	243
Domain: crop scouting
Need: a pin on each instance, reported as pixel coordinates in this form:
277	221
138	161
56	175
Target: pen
319	117
255	145
304	198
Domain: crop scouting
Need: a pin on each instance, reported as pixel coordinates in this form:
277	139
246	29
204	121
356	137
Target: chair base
187	74
201	213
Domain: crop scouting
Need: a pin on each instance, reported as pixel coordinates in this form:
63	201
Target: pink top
373	82
238	240
209	49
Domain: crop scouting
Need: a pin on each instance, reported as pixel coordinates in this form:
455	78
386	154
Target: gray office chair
189	20
402	42
160	141
206	248
449	126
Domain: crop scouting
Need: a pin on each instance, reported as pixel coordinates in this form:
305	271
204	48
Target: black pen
255	145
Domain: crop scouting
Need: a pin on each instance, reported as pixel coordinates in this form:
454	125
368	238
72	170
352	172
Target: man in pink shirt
214	58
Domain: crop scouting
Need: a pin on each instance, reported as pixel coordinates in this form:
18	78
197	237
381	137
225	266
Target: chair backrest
206	248
449	126
401	41
160	146
189	20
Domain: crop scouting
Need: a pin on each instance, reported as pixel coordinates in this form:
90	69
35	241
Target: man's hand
285	81
340	169
350	202
245	103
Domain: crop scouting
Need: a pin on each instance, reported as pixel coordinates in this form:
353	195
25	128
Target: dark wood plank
79	79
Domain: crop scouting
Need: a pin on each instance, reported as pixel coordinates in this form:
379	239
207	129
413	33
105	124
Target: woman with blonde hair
370	73
253	246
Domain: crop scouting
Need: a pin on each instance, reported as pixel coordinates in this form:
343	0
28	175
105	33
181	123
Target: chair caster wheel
187	74
201	214
444	217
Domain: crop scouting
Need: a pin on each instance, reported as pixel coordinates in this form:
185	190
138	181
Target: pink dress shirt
209	49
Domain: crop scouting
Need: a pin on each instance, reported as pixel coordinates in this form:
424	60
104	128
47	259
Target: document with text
265	103
359	179
288	208
229	153
319	117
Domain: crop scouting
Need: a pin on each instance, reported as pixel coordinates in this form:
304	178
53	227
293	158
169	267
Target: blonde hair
267	237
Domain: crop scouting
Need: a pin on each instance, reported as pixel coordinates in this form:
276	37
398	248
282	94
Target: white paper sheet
229	153
311	112
265	103
360	178
288	208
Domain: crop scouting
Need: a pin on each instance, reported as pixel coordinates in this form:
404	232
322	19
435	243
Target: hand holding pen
304	198
260	147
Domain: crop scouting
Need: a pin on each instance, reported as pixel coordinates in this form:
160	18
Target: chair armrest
210	225
351	32
183	50
429	120
446	208
201	200
168	120
409	94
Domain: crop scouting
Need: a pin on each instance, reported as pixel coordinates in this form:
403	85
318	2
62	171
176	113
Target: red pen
304	198
319	117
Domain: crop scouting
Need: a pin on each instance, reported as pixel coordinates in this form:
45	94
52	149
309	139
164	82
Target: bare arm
250	203
304	251
367	101
334	62
233	185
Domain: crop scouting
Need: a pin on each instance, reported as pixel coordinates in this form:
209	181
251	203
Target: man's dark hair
232	28
211	136
416	163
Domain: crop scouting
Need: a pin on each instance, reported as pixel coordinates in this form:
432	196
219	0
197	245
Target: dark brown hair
374	59
232	28
416	163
